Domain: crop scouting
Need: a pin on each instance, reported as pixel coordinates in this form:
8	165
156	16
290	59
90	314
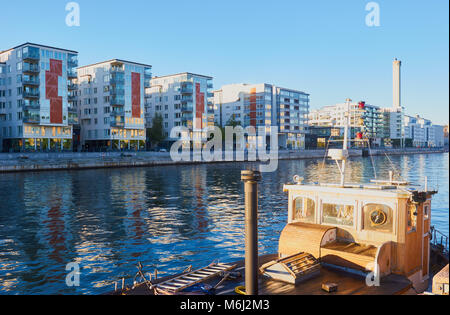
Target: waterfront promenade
23	162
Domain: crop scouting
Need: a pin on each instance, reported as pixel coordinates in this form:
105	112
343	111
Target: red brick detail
135	95
199	106
51	91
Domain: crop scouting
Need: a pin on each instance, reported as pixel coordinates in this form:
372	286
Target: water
165	217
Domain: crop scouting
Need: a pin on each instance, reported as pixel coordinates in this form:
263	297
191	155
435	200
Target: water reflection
166	217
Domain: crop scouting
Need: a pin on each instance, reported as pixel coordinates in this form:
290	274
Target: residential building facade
265	105
421	132
35	111
183	100
366	121
110	103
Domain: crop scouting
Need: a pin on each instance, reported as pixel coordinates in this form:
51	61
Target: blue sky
321	47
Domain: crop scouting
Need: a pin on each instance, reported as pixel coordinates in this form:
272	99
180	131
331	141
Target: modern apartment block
110	102
35	111
393	126
183	99
265	105
365	119
422	132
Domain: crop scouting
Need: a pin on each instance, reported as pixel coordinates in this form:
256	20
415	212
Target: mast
345	144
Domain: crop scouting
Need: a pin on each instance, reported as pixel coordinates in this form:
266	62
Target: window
411	217
338	214
426	212
378	217
304	210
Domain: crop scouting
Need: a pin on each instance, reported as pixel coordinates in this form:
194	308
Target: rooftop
116	60
41	46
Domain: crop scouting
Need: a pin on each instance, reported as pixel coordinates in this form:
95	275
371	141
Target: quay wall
25	162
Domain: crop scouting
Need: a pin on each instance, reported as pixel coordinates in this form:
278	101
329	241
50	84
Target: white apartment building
110	103
183	99
365	119
265	105
422	133
35	111
393	125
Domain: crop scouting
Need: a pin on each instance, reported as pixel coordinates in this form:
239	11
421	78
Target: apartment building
35	111
265	105
110	103
365	120
421	132
393	126
183	99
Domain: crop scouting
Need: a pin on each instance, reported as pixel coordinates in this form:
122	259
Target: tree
155	134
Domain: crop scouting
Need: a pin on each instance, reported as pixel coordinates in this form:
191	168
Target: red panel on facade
51	91
253	107
199	106
135	95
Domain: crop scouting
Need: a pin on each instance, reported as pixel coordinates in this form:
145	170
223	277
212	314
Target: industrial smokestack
397	84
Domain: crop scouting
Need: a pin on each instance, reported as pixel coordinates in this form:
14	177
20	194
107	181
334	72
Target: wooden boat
343	238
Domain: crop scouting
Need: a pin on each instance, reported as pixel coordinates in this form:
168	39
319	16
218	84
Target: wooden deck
348	284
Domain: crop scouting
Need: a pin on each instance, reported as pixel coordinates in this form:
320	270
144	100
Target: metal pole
250	179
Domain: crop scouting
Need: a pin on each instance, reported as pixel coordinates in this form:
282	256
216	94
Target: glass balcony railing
117	91
30	94
71	74
31	116
187	108
117	79
187	99
72	86
30	54
71	98
30	81
117	101
187	88
117	121
116	70
30	68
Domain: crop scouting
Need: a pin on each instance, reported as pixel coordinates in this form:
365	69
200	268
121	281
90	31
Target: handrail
439	239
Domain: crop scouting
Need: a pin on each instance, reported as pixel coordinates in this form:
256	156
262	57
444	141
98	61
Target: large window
338	214
304	210
378	218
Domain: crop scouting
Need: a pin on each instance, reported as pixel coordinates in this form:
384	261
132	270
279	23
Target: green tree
155	134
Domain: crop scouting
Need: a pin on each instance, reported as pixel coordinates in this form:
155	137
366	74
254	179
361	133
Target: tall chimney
397	84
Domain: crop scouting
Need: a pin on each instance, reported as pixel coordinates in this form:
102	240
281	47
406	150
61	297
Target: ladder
187	280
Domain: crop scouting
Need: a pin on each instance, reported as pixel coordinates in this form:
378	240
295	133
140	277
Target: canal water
167	218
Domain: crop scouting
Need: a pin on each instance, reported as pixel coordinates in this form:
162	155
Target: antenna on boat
342	154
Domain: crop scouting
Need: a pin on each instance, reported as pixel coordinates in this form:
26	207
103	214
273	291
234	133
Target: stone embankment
24	162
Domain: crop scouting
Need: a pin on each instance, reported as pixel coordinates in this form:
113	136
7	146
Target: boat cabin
383	228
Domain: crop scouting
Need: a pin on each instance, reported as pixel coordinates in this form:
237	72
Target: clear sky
322	47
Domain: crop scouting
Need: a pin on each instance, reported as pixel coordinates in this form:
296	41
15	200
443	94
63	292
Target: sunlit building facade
35	109
183	100
110	103
265	105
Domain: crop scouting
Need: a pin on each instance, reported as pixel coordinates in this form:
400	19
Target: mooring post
251	179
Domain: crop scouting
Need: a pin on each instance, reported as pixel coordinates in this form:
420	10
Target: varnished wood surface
348	284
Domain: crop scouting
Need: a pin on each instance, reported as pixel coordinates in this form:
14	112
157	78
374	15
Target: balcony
186	99
30	94
31	117
117	91
117	121
71	74
117	79
71	98
31	81
118	111
117	101
187	108
31	56
187	88
30	68
72	86
210	85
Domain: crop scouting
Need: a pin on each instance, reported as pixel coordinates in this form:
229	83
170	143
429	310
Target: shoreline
39	162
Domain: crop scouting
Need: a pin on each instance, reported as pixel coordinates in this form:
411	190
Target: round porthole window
378	217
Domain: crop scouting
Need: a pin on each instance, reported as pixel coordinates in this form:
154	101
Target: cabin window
412	217
426	212
378	218
338	214
305	209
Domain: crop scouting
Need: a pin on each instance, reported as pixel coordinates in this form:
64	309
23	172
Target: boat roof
377	189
